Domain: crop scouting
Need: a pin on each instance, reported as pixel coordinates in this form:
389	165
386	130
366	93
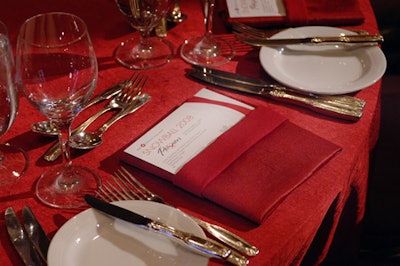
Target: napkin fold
251	167
307	12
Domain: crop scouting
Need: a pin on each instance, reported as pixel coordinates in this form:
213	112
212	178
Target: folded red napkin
251	167
307	12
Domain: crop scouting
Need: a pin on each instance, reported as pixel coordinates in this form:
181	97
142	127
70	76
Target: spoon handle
54	151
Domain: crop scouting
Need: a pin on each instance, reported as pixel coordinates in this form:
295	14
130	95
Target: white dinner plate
92	238
323	69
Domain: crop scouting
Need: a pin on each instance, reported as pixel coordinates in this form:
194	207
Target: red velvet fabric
311	12
318	220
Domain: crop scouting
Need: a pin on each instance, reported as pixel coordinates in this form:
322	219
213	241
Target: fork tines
124	187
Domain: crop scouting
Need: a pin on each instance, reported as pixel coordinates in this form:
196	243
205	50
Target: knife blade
344	39
204	246
35	232
320	105
20	240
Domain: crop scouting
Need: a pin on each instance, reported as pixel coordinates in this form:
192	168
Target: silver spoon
89	140
47	128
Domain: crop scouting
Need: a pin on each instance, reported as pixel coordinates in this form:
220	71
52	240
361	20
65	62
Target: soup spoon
89	140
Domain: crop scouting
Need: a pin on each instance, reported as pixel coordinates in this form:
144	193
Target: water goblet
207	50
57	71
13	160
144	52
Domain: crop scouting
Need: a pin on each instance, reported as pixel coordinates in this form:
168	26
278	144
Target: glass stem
208	16
64	132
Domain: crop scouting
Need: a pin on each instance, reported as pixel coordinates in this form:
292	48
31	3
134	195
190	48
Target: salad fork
127	187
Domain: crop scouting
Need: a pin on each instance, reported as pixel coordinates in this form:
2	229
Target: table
319	221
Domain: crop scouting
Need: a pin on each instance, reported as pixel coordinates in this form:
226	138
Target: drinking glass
207	50
147	51
57	71
13	160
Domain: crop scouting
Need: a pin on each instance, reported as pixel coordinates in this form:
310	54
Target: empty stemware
13	160
144	52
207	50
57	71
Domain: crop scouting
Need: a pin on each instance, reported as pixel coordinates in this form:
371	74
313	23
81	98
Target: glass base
130	54
13	163
207	50
65	186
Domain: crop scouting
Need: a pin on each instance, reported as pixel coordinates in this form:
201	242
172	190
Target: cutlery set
29	240
125	96
127	187
344	107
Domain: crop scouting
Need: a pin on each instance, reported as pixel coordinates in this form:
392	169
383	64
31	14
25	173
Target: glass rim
83	28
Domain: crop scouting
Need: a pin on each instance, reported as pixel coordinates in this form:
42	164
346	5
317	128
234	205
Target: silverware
89	140
204	246
84	140
266	34
130	188
131	89
255	34
35	233
326	105
20	240
46	127
372	39
341	100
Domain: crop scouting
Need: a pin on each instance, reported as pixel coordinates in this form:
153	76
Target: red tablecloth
320	220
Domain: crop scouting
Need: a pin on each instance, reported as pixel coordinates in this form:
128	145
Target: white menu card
255	8
187	131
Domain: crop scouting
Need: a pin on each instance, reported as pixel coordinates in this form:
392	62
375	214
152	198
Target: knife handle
316	104
204	246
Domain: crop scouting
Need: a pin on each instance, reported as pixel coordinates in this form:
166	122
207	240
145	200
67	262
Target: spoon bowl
90	140
85	140
45	128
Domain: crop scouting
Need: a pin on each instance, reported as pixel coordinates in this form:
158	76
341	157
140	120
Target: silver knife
204	246
344	39
35	233
20	240
341	100
320	105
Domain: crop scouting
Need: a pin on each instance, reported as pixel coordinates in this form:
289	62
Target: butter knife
35	232
20	240
204	246
320	105
344	39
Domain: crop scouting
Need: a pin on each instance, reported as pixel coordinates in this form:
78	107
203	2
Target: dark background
381	234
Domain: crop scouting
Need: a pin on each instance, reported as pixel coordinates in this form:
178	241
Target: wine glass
207	50
144	52
57	71
13	160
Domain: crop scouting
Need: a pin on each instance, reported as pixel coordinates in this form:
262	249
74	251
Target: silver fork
128	94
263	34
127	187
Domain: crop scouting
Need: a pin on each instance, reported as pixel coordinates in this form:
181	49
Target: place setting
217	141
